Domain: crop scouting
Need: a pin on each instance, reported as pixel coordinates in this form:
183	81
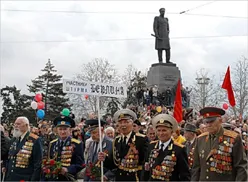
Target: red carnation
83	165
48	171
52	162
44	162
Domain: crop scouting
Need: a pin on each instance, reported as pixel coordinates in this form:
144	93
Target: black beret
137	122
93	123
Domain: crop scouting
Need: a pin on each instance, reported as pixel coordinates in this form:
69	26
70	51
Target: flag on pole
227	85
178	105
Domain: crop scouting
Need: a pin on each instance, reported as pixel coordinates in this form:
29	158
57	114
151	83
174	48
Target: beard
17	133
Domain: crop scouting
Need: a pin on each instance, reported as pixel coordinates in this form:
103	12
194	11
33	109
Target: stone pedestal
163	75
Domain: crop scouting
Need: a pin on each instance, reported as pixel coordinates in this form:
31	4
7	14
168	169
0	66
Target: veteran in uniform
166	159
67	150
219	154
94	149
190	135
25	154
129	149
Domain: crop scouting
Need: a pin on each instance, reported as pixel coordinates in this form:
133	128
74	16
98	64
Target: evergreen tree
50	85
113	106
15	104
137	83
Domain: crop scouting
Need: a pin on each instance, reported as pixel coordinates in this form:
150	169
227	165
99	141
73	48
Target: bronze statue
161	30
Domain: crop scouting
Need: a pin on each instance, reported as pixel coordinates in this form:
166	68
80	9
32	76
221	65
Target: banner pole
100	132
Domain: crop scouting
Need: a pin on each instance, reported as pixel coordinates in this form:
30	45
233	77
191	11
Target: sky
105	29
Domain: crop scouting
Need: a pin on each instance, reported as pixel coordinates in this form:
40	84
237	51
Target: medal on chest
164	170
220	159
22	159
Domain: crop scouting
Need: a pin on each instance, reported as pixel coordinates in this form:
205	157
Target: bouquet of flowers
93	171
51	168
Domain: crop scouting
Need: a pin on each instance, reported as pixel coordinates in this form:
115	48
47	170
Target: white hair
109	128
25	120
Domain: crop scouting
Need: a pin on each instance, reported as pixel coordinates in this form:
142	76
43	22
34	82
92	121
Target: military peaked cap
211	113
165	120
124	114
64	121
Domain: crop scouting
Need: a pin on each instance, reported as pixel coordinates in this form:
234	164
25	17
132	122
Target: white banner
94	88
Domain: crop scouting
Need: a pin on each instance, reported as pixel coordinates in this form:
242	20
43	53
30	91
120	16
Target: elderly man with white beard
25	154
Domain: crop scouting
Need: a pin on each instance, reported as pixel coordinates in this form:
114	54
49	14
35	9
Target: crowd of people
140	143
151	95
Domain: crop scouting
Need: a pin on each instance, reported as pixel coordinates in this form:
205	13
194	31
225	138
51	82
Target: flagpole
100	132
234	110
3	177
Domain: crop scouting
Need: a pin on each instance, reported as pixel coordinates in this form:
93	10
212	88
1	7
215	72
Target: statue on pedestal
161	30
164	74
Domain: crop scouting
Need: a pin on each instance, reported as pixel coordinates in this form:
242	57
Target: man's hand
101	156
64	170
147	167
4	170
105	178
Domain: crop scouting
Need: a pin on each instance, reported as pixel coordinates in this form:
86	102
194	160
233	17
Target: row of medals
24	154
190	157
163	171
66	155
221	162
130	163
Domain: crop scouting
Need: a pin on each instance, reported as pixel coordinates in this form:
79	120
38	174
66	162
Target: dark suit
219	159
56	150
107	147
190	147
17	169
116	159
174	157
45	142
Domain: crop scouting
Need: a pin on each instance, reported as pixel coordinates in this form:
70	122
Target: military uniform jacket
168	165
69	153
25	158
223	160
161	28
129	161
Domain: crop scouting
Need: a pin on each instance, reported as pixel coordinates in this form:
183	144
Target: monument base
163	75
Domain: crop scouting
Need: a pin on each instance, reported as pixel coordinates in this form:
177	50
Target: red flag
227	84
178	105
